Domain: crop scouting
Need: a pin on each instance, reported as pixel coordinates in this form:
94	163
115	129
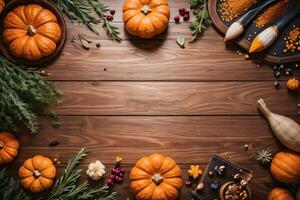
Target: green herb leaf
180	40
23	92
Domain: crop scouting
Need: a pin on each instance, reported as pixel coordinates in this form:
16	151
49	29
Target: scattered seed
54	143
98	45
200	186
276	84
246	146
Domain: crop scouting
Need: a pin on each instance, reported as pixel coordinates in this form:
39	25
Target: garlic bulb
96	170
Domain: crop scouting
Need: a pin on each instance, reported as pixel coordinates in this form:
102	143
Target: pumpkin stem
157	179
36	173
1	144
146	10
31	31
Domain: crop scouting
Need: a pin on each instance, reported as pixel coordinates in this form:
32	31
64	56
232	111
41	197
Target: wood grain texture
172	98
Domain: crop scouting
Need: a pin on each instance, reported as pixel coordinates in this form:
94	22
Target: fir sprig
195	3
23	92
90	13
202	19
10	188
101	10
67	187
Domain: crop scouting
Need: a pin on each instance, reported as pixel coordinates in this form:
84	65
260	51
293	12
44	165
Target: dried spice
270	14
292	40
231	9
195	171
235	192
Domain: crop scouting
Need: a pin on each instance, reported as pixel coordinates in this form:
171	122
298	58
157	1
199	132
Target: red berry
110	182
186	17
112	12
112	176
177	19
113	171
188	183
122	170
109	17
120	180
182	10
116	178
187	12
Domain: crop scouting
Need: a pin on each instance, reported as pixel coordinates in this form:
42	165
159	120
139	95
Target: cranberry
114	171
182	11
109	17
110	181
186	17
177	19
119	180
112	176
116	178
187	12
122	170
112	12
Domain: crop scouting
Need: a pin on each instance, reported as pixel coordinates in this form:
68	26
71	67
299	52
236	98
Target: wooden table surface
144	96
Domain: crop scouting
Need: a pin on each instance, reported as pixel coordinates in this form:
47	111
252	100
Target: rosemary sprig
66	187
111	30
23	92
10	188
202	20
195	3
78	10
85	10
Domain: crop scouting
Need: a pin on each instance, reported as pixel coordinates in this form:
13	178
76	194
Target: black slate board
274	54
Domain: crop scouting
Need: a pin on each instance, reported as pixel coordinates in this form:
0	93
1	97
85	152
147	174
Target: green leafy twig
23	92
10	188
101	10
66	187
202	20
195	3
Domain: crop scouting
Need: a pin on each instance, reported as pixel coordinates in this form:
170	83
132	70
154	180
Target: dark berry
276	84
116	178
112	176
177	19
112	12
182	11
289	72
119	180
187	12
122	170
188	183
109	182
109	17
114	171
186	17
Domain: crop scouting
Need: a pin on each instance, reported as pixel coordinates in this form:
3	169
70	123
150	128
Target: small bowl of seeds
234	191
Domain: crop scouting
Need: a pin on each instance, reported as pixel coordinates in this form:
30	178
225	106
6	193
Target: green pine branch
68	188
23	92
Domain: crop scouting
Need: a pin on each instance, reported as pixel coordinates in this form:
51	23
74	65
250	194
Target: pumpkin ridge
15	15
30	47
287	167
139	22
22	17
143	170
282	172
36	17
131	16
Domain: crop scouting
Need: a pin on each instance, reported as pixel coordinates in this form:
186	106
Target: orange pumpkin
293	84
2	5
37	174
8	147
156	177
146	18
285	166
280	194
31	32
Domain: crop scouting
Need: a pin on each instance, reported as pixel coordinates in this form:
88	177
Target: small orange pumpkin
156	177
9	147
146	18
285	166
293	84
2	5
37	174
280	194
31	32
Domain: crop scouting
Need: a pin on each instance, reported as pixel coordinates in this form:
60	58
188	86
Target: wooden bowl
4	48
274	54
226	185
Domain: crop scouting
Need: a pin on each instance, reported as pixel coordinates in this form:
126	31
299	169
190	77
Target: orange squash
2	5
31	32
280	194
146	18
8	147
156	177
285	166
293	84
37	174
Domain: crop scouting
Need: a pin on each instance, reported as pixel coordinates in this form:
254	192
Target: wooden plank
172	98
156	60
189	139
